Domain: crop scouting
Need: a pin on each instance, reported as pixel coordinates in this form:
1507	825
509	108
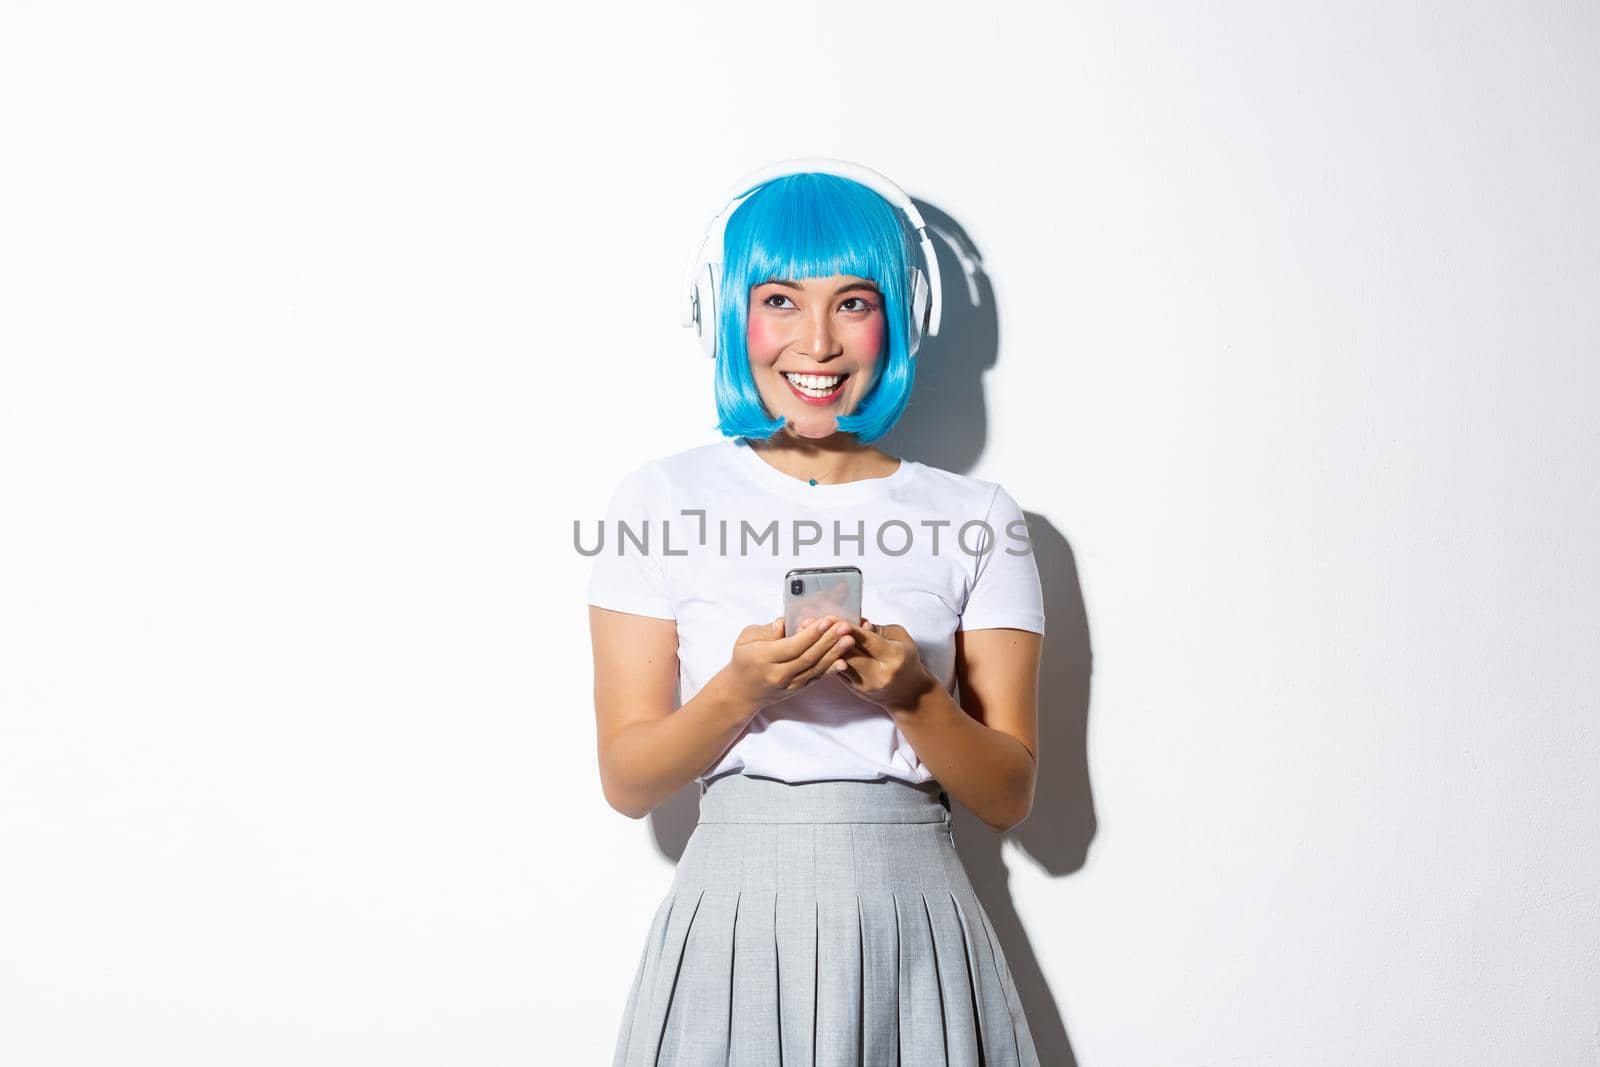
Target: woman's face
814	348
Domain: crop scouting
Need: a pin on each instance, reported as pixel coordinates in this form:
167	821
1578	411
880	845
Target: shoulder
657	479
958	493
695	463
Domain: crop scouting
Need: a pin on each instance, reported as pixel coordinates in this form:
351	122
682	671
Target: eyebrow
842	289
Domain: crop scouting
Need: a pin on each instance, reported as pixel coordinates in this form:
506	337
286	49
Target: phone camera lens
795	586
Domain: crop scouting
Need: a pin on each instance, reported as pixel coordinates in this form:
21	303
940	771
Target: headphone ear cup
705	290
920	301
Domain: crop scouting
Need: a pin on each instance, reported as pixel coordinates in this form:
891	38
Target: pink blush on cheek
762	342
872	337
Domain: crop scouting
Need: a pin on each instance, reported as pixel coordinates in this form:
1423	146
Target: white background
321	323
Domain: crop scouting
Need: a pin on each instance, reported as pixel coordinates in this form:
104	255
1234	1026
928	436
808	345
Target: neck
831	460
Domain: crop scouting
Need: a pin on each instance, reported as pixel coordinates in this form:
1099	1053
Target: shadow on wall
945	425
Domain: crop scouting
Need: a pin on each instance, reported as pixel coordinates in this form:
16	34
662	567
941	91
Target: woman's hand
767	666
886	667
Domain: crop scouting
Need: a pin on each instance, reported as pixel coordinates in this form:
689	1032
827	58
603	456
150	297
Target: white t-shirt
927	563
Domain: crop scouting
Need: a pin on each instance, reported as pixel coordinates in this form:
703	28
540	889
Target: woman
820	912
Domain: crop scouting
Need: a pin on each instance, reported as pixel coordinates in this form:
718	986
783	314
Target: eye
866	305
768	300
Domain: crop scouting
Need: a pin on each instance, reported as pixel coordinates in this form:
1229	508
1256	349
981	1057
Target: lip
816	402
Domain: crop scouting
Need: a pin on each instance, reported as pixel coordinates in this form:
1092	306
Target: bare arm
987	757
647	750
983	750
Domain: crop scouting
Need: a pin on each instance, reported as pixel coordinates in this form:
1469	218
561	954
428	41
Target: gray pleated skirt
822	923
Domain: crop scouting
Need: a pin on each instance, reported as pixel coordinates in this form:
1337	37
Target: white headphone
705	268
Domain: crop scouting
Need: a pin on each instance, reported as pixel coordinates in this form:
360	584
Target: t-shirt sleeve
629	573
1005	590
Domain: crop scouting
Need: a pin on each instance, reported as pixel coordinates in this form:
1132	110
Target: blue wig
813	226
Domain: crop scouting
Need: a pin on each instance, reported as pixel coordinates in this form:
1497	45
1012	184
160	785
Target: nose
820	342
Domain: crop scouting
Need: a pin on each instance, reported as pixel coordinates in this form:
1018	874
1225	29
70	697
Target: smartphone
812	592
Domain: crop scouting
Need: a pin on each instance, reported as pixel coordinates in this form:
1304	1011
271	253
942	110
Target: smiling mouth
816	386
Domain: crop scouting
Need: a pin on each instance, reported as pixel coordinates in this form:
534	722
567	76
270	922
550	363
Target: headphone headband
704	271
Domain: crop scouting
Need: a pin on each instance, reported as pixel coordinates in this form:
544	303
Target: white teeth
818	385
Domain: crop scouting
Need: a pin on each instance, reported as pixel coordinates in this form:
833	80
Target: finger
791	645
828	640
871	641
759	631
809	657
855	666
830	659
